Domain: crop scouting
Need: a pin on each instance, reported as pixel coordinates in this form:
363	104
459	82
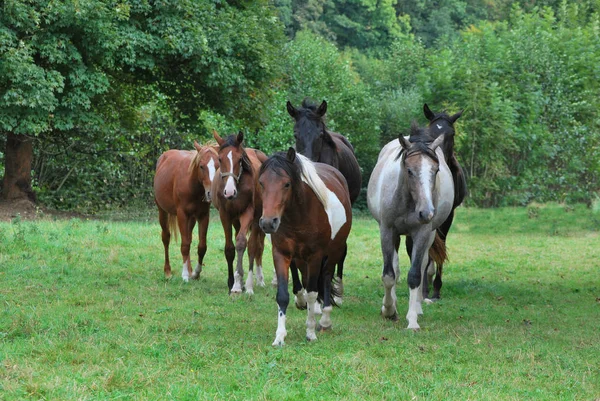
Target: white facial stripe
438	126
426	179
230	185
211	170
230	157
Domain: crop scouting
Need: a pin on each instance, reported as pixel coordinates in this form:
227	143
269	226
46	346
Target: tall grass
85	314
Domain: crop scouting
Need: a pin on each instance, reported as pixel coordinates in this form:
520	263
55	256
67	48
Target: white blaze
211	170
230	184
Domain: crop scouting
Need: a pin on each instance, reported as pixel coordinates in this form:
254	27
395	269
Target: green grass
85	314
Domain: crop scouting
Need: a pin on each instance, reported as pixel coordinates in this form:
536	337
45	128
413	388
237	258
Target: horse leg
260	248
419	260
240	247
163	219
202	231
186	226
252	249
229	248
389	239
299	291
443	231
325	322
315	264
339	284
282	263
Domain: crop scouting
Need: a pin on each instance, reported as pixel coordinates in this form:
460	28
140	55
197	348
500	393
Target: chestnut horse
410	192
237	198
306	209
182	186
317	143
443	124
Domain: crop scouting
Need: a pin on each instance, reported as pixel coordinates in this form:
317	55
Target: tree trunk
18	157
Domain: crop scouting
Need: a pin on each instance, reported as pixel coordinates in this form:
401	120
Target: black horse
317	143
443	124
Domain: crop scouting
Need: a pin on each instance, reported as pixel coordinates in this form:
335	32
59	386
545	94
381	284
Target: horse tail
173	227
323	275
437	252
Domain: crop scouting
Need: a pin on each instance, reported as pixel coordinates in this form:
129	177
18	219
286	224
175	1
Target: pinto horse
317	143
237	198
443	124
306	209
410	192
182	192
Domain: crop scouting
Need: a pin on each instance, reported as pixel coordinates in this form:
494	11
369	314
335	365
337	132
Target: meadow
86	314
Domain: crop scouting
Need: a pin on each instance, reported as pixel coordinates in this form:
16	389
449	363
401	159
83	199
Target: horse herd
303	199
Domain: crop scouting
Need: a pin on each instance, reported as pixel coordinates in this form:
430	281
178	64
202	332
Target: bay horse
317	143
306	209
236	196
443	124
182	192
410	192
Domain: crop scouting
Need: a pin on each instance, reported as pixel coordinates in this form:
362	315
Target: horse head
279	180
442	124
233	161
310	131
420	165
206	163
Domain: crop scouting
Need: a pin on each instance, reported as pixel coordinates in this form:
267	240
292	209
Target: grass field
85	314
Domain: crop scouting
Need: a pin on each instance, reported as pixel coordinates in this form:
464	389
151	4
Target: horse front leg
229	248
240	248
298	290
389	239
202	231
419	261
259	248
186	227
315	264
282	263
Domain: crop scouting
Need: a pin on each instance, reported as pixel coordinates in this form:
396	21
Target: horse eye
287	185
410	172
201	167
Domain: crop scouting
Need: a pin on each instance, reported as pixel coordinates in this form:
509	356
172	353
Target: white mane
336	213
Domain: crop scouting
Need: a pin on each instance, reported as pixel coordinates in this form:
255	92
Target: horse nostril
275	221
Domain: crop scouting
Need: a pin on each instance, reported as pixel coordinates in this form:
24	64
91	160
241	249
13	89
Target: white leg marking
412	314
260	278
311	323
388	309
274	281
318	309
197	271
281	332
325	321
396	265
185	274
237	283
250	283
300	301
339	288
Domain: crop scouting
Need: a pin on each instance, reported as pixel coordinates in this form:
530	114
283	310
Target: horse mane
312	179
420	139
209	146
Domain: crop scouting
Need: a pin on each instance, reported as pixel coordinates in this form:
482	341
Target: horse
317	143
410	192
182	192
307	211
443	124
237	199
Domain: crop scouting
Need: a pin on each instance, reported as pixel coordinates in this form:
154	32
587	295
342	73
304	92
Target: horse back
345	161
171	178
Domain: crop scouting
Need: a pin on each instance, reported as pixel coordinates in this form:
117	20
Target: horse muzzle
269	225
425	216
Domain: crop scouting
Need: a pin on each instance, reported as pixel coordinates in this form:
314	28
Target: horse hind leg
389	246
202	232
186	226
338	284
260	249
163	219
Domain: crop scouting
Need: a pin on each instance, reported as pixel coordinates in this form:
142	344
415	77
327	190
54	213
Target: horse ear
456	116
428	113
240	137
437	142
197	146
219	140
322	109
291	110
291	155
404	142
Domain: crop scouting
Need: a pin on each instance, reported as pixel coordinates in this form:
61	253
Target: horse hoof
278	343
311	338
250	291
393	318
322	329
338	301
429	301
413	327
195	276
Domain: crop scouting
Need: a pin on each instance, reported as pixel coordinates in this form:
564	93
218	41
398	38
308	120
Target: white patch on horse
185	274
426	181
281	331
336	213
438	126
211	170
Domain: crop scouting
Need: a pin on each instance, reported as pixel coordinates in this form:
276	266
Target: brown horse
319	144
237	198
182	185
307	211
